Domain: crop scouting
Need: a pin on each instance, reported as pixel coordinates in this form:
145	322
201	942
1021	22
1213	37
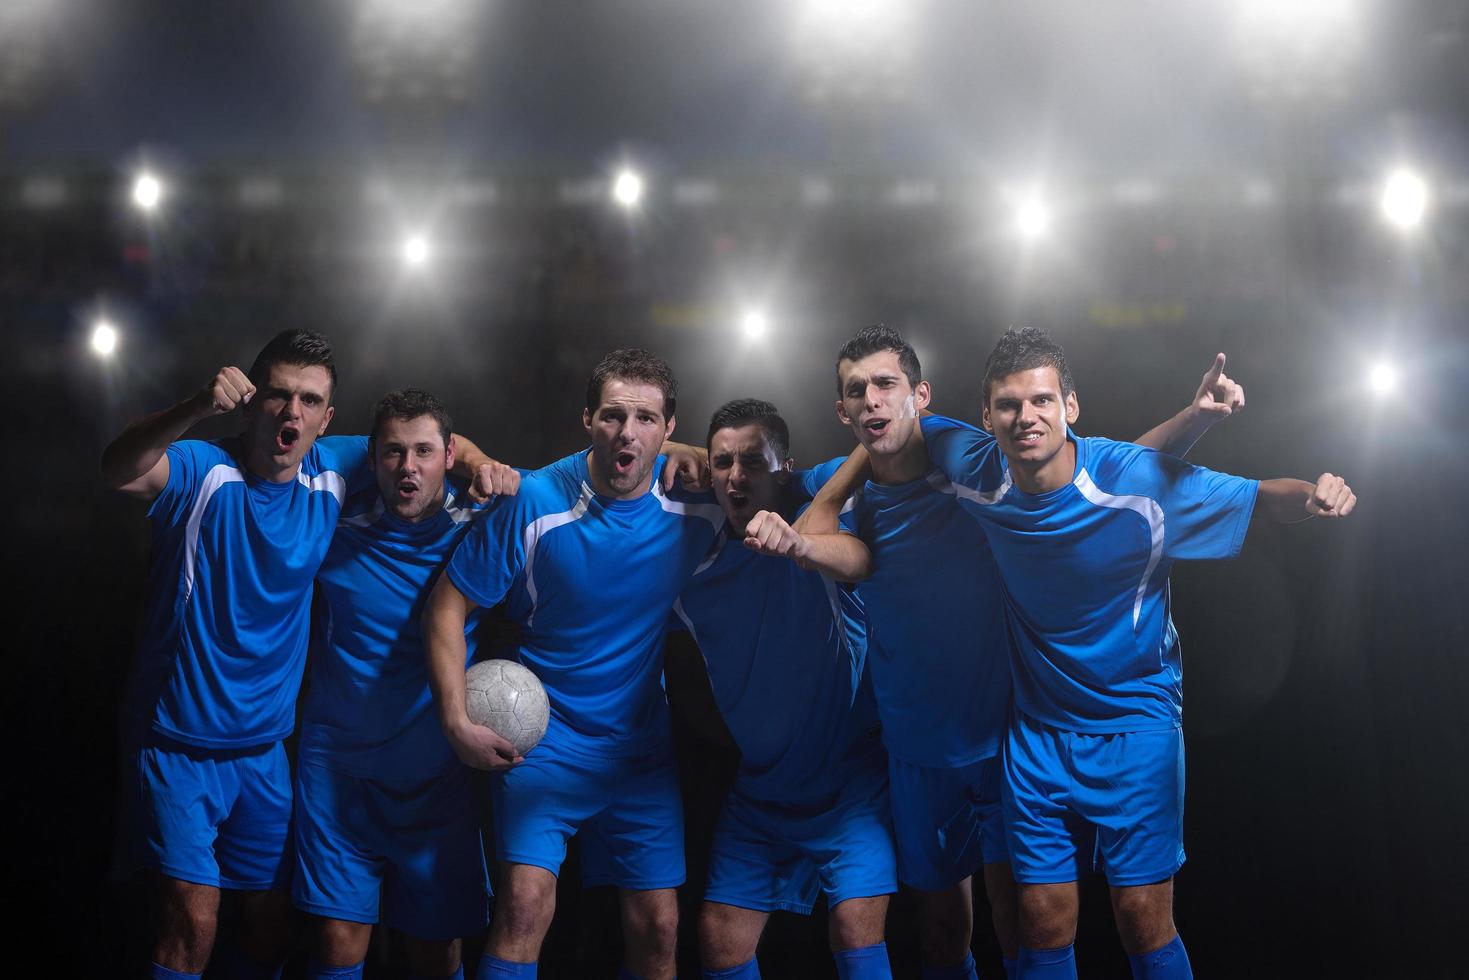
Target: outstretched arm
443	634
826	508
135	462
841	556
1288	501
487	477
1218	397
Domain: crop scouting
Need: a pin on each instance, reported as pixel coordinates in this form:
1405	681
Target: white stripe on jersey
939	482
1145	507
713	513
532	537
217	477
328	480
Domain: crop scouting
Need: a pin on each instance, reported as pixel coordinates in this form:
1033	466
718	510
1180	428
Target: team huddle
947	655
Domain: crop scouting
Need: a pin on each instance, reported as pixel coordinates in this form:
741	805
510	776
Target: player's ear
326	419
586	420
842	412
921	395
1073	408
449	454
668	429
783	474
984	417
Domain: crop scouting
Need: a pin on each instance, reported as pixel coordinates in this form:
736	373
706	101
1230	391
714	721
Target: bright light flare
104	338
754	324
1382	378
627	188
1032	219
1405	200
415	251
147	191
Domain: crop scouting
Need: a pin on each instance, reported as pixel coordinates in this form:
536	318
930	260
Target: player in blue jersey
938	644
1084	531
239	528
386	824
785	648
589	558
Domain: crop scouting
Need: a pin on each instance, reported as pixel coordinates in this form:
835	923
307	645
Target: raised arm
444	646
826	507
1218	398
1287	501
841	556
136	462
487	477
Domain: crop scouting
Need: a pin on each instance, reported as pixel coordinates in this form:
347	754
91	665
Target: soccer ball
508	699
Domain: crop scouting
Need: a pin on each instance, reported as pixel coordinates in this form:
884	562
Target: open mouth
407	489
1031	438
737	500
623	462
287	437
875	426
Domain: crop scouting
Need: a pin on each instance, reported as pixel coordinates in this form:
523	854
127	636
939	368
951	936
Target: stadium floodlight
1404	200
415	251
627	188
755	324
1032	219
104	338
147	191
1382	378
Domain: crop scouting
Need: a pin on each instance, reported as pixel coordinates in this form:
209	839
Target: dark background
1213	186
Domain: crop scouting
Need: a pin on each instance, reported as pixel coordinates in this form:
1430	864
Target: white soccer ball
508	699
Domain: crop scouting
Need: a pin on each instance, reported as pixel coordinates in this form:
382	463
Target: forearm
134	453
468	457
1284	501
445	649
840	556
822	516
1177	435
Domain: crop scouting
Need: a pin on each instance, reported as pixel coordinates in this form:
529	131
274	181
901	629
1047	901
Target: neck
258	463
905	465
1053	474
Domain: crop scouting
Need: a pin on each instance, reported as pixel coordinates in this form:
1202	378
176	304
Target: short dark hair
752	411
633	364
871	340
1026	350
407	404
301	348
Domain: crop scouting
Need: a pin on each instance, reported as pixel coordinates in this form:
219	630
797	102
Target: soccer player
590	556
239	528
386	823
938	644
785	650
1084	531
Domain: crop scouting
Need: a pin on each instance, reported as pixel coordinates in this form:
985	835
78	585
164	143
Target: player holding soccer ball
1084	531
239	528
590	556
386	826
785	649
938	642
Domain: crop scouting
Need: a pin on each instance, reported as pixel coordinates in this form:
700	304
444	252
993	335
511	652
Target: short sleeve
189	460
347	456
1206	514
966	455
492	554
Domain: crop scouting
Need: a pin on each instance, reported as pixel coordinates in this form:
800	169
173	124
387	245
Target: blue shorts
408	847
769	856
947	821
208	816
629	809
1075	802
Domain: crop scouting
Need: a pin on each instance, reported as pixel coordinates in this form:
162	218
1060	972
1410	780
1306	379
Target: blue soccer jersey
229	592
1085	570
369	710
591	580
785	650
938	648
